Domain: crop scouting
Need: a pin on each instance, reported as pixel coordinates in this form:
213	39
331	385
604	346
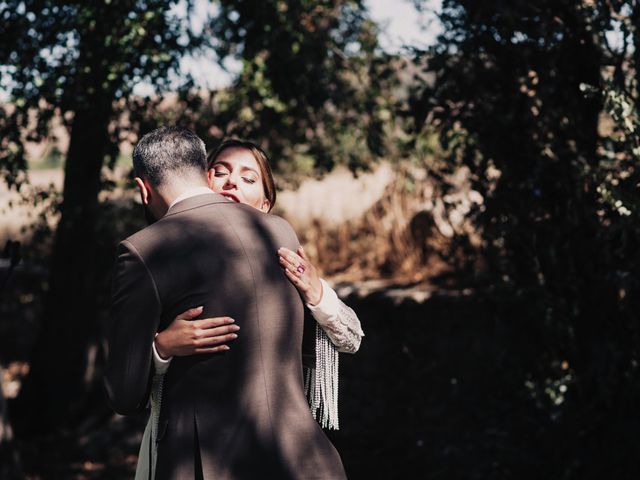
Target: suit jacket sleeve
290	240
135	314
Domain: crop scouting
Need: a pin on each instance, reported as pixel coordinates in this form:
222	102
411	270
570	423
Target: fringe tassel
156	400
321	383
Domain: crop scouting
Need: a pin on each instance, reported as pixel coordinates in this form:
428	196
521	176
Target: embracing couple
209	306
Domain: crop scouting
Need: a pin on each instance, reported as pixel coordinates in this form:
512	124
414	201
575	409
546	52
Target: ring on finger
300	269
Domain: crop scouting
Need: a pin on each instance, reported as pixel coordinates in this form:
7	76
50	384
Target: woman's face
236	175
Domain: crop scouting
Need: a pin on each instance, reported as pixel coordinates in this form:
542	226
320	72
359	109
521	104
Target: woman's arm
340	322
185	336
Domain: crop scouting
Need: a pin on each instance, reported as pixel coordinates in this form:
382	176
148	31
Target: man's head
166	162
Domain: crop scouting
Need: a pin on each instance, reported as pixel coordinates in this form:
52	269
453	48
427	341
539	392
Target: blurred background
465	173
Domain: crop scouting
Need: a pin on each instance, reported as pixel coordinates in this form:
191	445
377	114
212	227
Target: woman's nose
231	182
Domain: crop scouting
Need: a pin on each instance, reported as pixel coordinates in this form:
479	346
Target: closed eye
249	180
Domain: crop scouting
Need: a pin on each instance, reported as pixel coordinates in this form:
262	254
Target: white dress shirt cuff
160	364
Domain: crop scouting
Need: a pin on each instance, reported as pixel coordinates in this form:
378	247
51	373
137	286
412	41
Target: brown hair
268	183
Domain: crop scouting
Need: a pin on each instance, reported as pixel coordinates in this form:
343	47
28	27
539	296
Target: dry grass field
390	223
17	213
332	200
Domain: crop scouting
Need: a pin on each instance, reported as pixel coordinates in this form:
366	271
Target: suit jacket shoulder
286	230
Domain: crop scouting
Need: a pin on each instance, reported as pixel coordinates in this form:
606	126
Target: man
234	414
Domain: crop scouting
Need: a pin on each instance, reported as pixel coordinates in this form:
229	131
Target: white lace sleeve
340	322
148	454
161	365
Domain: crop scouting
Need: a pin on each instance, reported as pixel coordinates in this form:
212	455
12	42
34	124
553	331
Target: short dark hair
166	151
268	183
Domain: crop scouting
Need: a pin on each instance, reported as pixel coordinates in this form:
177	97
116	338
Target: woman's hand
185	336
302	274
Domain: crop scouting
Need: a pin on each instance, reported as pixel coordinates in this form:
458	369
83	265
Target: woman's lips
231	196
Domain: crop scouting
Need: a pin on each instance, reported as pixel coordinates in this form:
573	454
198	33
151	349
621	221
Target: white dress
338	329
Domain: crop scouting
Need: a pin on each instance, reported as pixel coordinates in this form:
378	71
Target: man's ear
211	173
143	188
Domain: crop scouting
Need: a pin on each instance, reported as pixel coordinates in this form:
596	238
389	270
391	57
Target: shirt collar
191	192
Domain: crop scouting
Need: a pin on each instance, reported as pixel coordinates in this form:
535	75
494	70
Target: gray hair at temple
167	153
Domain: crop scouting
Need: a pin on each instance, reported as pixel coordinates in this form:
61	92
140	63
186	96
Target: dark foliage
561	249
448	389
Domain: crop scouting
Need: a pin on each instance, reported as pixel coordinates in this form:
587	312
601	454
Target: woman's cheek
216	186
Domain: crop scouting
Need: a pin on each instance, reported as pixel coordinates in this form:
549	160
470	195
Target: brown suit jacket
240	414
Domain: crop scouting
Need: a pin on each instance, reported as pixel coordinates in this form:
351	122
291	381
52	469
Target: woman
240	171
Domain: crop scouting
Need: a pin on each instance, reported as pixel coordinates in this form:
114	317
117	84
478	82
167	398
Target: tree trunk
56	387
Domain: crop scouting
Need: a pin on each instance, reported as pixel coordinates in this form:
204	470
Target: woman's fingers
302	254
205	323
186	337
296	267
297	281
291	257
210	341
293	277
285	252
298	263
313	286
214	332
289	265
220	348
301	272
189	314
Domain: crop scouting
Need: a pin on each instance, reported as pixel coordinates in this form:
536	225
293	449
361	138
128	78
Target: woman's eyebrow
223	163
244	169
